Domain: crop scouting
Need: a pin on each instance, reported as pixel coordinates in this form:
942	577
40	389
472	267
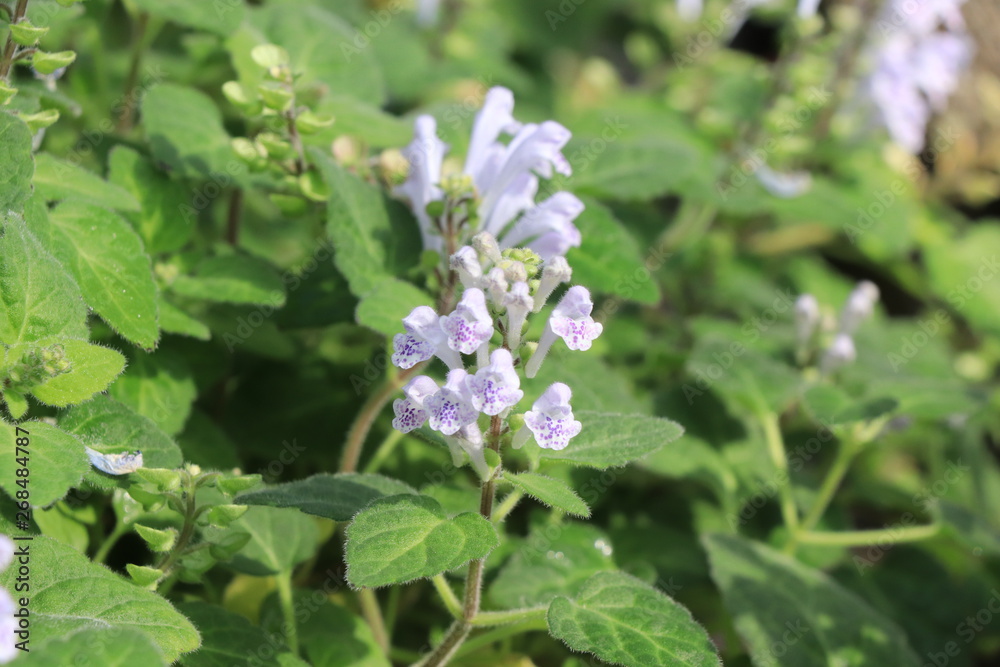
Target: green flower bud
158	540
269	55
142	575
41	120
289	205
241	98
314	187
47	63
6	93
26	34
276	97
163	479
274	146
229	545
234	485
310	123
223	515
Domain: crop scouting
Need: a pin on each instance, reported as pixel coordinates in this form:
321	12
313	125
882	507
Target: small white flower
465	262
426	155
423	339
806	317
115	464
450	407
555	272
410	412
550	420
495	284
807	8
547	229
570	321
840	352
519	303
470	326
486	245
496	387
859	306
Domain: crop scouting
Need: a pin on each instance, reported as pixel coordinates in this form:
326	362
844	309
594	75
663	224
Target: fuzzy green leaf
338	497
16	166
401	538
552	492
71	593
92	368
37	297
775	600
57	455
228	639
159	386
106	257
233	279
280	539
159	223
624	621
609	441
384	308
176	321
108	647
57	179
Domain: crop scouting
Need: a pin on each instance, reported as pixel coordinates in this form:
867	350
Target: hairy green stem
132	79
496	634
508	616
8	50
841	464
372	612
284	582
776	450
120	530
384	451
507	505
451	601
371	409
862	538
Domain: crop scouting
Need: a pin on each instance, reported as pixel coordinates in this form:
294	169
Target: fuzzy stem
508	616
776	450
373	614
384	451
507	505
138	45
366	416
496	634
284	582
448	596
8	50
862	538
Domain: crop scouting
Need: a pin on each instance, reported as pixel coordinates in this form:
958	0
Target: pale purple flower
465	262
840	352
535	148
495	118
426	155
450	407
571	321
806	318
516	198
518	303
470	326
550	420
555	272
496	387
469	440
410	412
495	285
859	306
548	229
807	8
424	338
786	185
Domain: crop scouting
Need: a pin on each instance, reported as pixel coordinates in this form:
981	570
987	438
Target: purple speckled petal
409	415
409	350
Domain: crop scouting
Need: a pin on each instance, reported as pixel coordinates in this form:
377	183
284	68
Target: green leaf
158	386
184	129
968	527
777	601
219	17
158	223
56	455
70	593
323	51
609	259
625	621
233	279
692	457
107	426
38	299
552	492
553	560
57	179
374	238
384	308
176	321
16	166
338	497
108	647
609	440
833	407
334	637
401	538
280	539
228	639
105	256
92	369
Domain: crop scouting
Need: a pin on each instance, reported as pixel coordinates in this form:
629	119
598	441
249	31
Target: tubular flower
570	321
496	387
423	339
550	420
450	407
